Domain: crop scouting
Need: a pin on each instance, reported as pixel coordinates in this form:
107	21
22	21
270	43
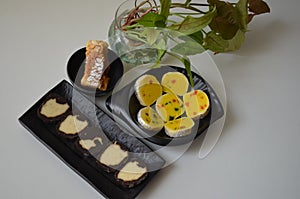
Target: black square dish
84	165
124	105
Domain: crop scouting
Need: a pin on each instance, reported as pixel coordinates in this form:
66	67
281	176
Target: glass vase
131	50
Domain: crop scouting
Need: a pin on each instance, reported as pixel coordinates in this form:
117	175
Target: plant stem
199	4
178	15
172	21
184	13
181	5
187	64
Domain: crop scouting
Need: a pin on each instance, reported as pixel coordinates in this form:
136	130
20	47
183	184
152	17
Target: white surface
257	155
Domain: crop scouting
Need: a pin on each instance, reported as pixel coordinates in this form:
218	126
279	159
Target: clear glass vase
129	49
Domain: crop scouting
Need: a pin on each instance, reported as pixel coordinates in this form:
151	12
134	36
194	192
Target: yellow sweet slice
150	119
196	104
146	79
179	127
169	107
147	89
175	82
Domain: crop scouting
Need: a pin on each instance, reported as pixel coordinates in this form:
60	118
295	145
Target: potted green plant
218	26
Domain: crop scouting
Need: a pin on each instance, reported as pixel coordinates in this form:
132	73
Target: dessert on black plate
96	65
198	103
91	141
54	108
72	125
95	69
112	157
132	173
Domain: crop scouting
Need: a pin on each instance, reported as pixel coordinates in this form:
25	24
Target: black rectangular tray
65	148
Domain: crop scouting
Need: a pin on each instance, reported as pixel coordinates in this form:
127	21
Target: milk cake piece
179	127
196	104
112	157
96	65
169	107
91	141
53	109
132	173
147	89
72	125
175	82
149	119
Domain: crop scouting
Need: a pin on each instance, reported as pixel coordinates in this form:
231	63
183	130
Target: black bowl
75	70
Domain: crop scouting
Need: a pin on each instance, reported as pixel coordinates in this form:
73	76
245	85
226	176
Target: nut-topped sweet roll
96	65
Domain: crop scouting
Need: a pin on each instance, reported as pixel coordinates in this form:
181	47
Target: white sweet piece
131	172
113	155
53	109
88	143
72	125
179	127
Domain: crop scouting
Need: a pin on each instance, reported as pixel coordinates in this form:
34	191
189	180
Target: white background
257	155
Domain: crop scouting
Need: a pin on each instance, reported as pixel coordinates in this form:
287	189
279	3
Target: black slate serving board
86	166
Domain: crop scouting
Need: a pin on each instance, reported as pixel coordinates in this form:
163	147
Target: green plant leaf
236	42
151	35
191	24
197	36
161	46
152	19
217	44
187	64
258	7
165	8
226	21
135	35
188	48
242	7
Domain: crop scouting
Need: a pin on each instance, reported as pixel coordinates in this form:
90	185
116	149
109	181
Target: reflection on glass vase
130	48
